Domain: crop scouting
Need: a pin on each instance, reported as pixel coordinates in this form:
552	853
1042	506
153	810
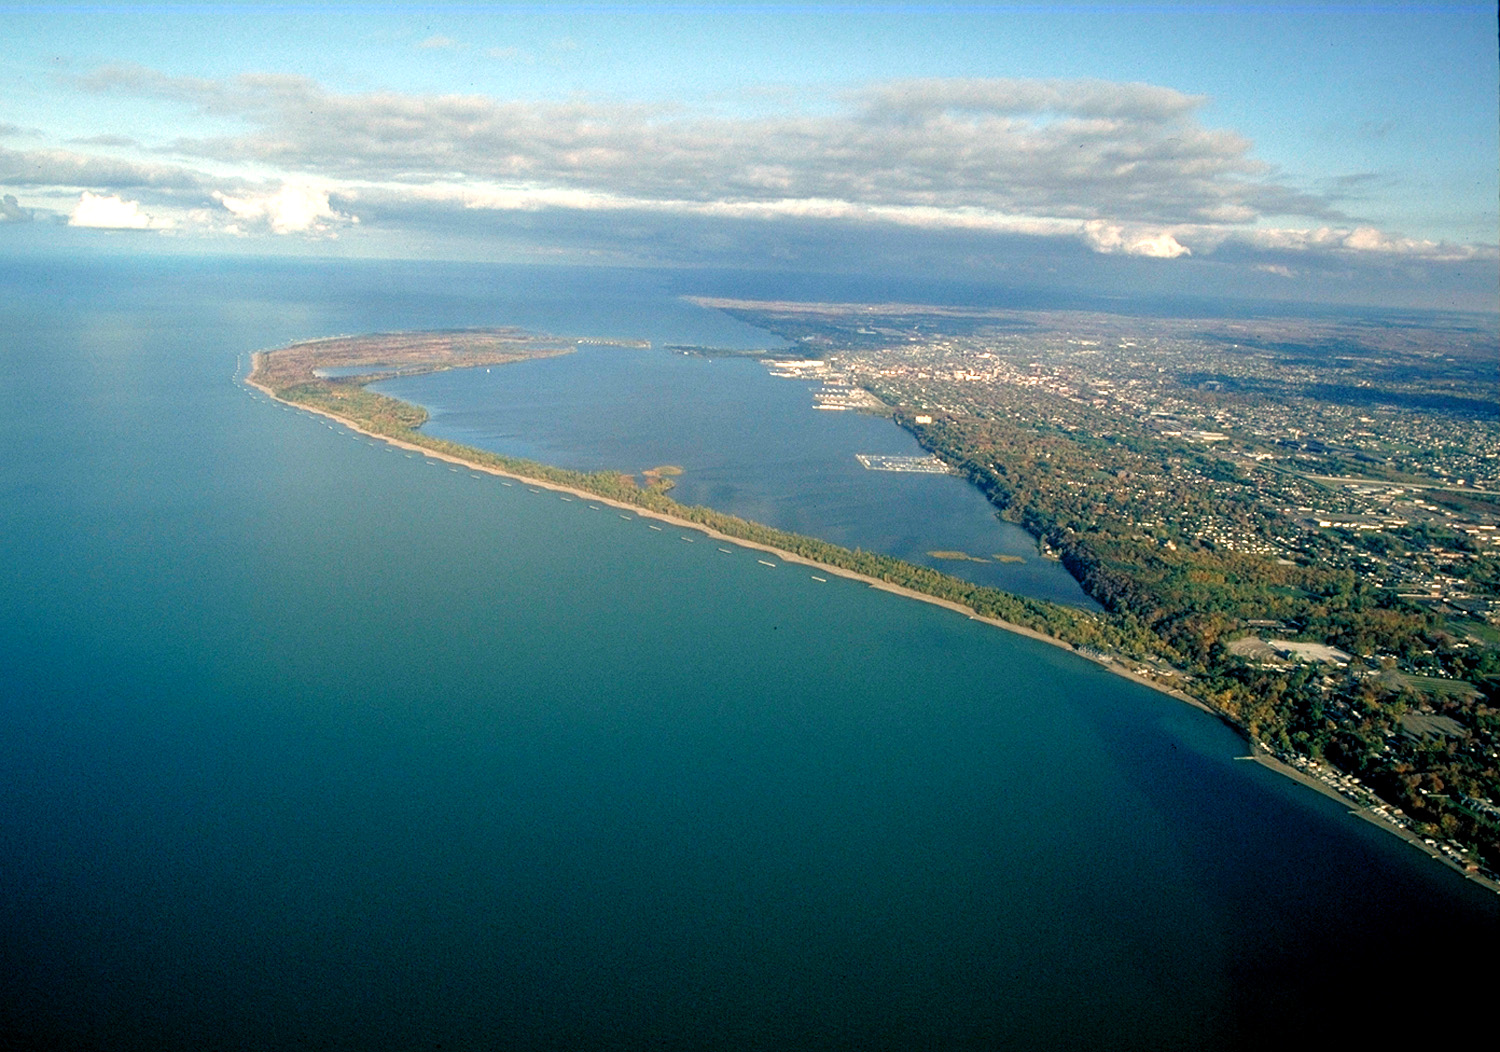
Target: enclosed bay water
311	744
748	444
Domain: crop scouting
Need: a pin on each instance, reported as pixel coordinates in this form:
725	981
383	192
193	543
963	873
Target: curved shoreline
710	532
687	524
1258	752
1367	812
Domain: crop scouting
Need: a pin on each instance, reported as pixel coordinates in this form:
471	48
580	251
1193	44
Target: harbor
928	465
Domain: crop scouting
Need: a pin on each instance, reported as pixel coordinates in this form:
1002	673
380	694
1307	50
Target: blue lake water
749	444
310	744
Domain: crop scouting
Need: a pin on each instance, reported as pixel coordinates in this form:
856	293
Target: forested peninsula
302	375
331	377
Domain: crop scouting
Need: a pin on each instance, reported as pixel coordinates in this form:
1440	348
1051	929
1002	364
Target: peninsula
331	377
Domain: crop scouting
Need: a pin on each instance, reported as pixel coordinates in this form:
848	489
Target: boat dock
928	465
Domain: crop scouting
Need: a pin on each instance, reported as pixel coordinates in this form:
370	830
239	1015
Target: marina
843	397
928	465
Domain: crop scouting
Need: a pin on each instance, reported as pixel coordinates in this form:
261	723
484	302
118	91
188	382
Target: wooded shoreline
483	461
396	423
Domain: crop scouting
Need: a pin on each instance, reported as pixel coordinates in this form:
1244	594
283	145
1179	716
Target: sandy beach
1265	759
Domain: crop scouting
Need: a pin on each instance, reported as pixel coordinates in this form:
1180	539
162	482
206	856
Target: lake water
310	744
749	444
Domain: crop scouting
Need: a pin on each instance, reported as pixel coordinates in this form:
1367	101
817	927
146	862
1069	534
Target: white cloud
1109	237
1277	269
438	43
1364	240
1159	246
294	209
1125	169
112	213
535	199
1082	150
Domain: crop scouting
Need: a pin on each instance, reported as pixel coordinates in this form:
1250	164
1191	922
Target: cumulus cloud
12	212
1108	237
111	213
293	209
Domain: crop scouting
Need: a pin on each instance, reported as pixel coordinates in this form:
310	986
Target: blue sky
1286	150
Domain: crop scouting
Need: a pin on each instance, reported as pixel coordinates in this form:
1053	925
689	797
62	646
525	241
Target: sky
1277	150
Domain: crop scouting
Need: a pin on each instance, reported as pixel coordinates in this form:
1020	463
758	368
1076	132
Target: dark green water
308	744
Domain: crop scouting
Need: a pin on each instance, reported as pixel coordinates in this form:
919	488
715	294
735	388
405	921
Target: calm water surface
750	444
310	744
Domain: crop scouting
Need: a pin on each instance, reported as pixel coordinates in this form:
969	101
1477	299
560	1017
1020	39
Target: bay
749	444
308	743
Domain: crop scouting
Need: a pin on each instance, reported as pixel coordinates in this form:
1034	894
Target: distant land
1197	476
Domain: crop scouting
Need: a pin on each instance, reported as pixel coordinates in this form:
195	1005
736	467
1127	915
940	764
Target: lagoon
311	744
750	444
